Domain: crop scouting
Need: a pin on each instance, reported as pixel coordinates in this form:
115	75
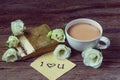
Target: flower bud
17	27
10	55
57	34
62	51
12	41
92	58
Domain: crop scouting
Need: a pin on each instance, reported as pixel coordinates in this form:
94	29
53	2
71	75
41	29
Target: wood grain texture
56	13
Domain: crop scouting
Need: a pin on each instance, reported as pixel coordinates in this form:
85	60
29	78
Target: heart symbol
51	65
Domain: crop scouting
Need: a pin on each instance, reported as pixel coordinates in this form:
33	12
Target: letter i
41	64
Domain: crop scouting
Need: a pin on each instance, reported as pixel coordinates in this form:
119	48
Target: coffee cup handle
106	42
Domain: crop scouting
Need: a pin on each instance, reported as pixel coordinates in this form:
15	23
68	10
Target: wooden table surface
56	13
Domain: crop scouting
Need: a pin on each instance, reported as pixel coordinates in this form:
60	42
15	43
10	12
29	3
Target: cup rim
67	34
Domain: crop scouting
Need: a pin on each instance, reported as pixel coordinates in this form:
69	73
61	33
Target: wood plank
24	72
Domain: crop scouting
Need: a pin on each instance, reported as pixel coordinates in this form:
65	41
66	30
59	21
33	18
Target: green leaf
49	34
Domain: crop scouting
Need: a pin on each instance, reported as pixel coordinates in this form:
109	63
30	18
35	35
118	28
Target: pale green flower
17	27
92	58
58	35
10	55
62	51
12	41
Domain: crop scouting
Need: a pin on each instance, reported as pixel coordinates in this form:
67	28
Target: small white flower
92	58
62	51
17	27
10	55
58	35
12	41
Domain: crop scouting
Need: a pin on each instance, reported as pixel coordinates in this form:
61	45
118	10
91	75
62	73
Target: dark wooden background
56	13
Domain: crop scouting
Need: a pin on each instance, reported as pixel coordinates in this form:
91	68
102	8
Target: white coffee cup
81	45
